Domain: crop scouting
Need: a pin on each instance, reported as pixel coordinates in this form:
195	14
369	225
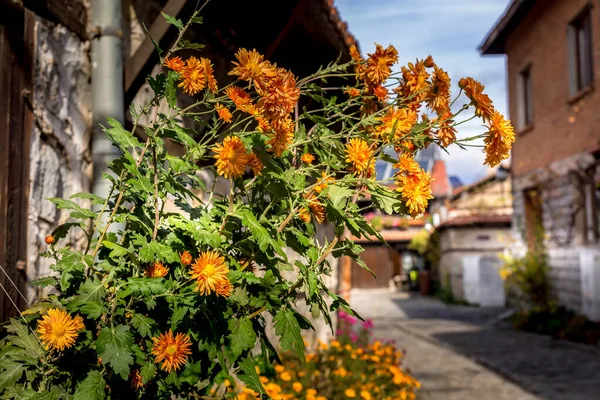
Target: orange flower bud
186	258
49	239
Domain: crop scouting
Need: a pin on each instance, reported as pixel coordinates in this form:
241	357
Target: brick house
552	49
47	144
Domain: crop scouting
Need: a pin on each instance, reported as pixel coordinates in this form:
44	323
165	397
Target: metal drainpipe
107	85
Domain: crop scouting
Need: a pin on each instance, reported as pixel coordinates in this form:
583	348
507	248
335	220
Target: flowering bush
162	301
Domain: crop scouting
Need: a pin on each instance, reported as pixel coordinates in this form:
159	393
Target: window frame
581	52
525	97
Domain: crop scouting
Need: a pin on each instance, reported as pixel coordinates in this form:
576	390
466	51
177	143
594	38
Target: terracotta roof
440	186
341	25
513	15
389	236
477	219
492	175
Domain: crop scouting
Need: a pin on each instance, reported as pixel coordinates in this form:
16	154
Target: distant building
553	59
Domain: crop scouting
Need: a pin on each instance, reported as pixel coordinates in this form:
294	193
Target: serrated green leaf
148	371
120	136
61	231
242	335
116	249
240	296
94	198
10	374
45	281
186	44
143	324
259	232
153	251
70	266
90	290
177	23
177	316
249	376
94	309
114	347
338	196
288	329
92	387
77	211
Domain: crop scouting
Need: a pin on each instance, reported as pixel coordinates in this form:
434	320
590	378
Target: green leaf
143	324
177	23
70	266
287	327
148	371
242	335
144	286
249	376
92	387
114	347
76	210
177	316
91	290
95	199
11	374
338	196
259	232
158	251
61	231
94	309
117	250
45	281
120	136
186	44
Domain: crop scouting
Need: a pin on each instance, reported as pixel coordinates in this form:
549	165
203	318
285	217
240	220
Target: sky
451	31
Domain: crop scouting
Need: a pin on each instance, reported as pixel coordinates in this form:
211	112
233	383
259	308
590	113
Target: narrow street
462	352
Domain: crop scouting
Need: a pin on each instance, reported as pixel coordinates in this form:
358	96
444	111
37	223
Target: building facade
552	49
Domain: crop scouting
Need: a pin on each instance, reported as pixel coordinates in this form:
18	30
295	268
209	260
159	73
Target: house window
534	228
526	99
581	74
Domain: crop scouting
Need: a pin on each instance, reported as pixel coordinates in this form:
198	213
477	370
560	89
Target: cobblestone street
462	352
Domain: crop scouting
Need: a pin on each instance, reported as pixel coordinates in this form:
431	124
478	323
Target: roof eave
496	37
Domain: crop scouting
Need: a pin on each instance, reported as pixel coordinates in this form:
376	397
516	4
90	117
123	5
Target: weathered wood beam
145	57
296	15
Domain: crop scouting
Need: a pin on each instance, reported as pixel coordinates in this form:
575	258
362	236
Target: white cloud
451	31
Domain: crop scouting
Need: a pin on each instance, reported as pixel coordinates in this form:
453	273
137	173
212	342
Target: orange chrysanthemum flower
397	120
137	382
446	132
499	139
210	76
416	191
428	62
381	93
210	272
474	91
379	64
186	258
251	66
282	137
224	113
404	146
414	83
307	158
279	94
438	95
407	164
353	92
193	76
231	156
156	270
354	53
359	155
322	185
172	351
263	123
58	330
241	99
174	63
316	207
255	164
304	215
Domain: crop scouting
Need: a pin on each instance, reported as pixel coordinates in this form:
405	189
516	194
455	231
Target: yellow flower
251	65
341	371
156	270
505	273
365	395
255	164
359	155
406	163
186	258
322	185
416	191
379	64
174	63
350	392
307	158
499	139
282	136
231	157
172	351
58	330
304	215
438	95
297	386
209	73
352	92
446	132
482	102
210	272
136	379
193	76
381	93
285	376
316	207
397	120
224	113
241	99
414	83
279	368
279	94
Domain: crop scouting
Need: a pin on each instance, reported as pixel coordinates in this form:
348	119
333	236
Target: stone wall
60	162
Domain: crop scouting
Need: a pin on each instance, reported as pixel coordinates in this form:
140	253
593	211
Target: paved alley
462	352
